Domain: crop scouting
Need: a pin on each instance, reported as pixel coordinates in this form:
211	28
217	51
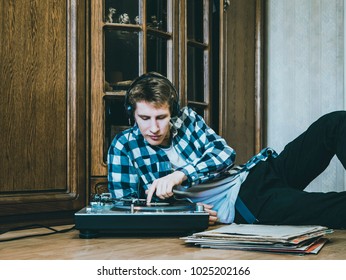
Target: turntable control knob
199	208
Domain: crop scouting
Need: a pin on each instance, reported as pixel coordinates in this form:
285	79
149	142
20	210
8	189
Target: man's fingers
212	213
206	206
212	220
150	193
164	191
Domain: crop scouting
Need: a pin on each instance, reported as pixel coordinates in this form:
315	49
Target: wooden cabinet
130	38
64	70
42	111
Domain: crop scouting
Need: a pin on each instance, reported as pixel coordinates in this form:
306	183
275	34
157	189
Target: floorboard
68	246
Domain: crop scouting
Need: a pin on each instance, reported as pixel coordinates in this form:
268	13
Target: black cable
54	231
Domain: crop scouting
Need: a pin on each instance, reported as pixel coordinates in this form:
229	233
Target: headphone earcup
129	112
128	108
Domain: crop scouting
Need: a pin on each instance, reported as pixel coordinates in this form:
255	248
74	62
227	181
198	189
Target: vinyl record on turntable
141	205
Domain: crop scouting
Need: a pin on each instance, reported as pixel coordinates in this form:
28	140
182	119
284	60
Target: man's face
153	122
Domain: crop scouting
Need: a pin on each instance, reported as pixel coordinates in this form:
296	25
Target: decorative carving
226	4
111	12
124	18
155	23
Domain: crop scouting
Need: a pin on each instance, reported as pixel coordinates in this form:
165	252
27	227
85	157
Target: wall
305	72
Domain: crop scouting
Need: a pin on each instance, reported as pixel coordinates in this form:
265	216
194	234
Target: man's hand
212	213
164	186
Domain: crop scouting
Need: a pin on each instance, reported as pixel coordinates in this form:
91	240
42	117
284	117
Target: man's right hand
212	213
163	186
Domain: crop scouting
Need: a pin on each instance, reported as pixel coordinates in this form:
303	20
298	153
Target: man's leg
273	202
273	189
308	155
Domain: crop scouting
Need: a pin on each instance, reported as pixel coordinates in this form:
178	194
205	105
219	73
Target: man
170	152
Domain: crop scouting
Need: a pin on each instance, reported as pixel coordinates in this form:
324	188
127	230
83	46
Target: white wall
305	72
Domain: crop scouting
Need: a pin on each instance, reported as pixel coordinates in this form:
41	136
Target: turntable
134	217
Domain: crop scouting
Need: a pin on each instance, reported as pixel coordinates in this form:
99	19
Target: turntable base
132	220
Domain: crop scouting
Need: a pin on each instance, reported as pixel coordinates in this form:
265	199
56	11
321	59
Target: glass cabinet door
132	37
159	36
122	31
198	56
129	38
121	35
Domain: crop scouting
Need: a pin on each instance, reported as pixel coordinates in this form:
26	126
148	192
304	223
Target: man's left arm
216	154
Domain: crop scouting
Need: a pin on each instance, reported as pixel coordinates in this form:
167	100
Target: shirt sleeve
122	176
212	153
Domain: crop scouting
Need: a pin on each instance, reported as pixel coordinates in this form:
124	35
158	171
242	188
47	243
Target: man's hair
152	88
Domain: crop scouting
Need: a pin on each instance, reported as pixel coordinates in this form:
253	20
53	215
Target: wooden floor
68	246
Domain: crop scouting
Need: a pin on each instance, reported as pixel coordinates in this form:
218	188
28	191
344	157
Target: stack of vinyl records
265	238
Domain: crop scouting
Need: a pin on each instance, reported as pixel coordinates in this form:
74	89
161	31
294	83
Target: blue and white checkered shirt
133	164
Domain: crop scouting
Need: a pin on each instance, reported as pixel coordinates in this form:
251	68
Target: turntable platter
153	207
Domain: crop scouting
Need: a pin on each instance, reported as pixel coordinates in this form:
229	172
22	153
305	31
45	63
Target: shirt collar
175	124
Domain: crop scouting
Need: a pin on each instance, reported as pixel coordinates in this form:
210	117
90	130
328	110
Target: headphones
173	100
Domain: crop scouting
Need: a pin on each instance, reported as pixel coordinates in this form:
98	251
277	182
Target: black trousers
274	189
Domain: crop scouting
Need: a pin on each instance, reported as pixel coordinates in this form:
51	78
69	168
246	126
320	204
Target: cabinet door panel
33	113
42	107
241	107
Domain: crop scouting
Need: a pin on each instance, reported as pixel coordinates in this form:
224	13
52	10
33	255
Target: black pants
274	189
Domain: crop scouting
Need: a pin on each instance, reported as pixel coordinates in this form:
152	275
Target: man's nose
154	127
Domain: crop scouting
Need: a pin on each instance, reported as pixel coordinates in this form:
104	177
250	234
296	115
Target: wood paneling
240	89
42	109
97	165
34	97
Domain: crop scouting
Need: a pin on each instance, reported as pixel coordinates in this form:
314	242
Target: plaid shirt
133	164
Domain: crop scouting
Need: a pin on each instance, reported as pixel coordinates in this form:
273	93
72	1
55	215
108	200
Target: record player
133	217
